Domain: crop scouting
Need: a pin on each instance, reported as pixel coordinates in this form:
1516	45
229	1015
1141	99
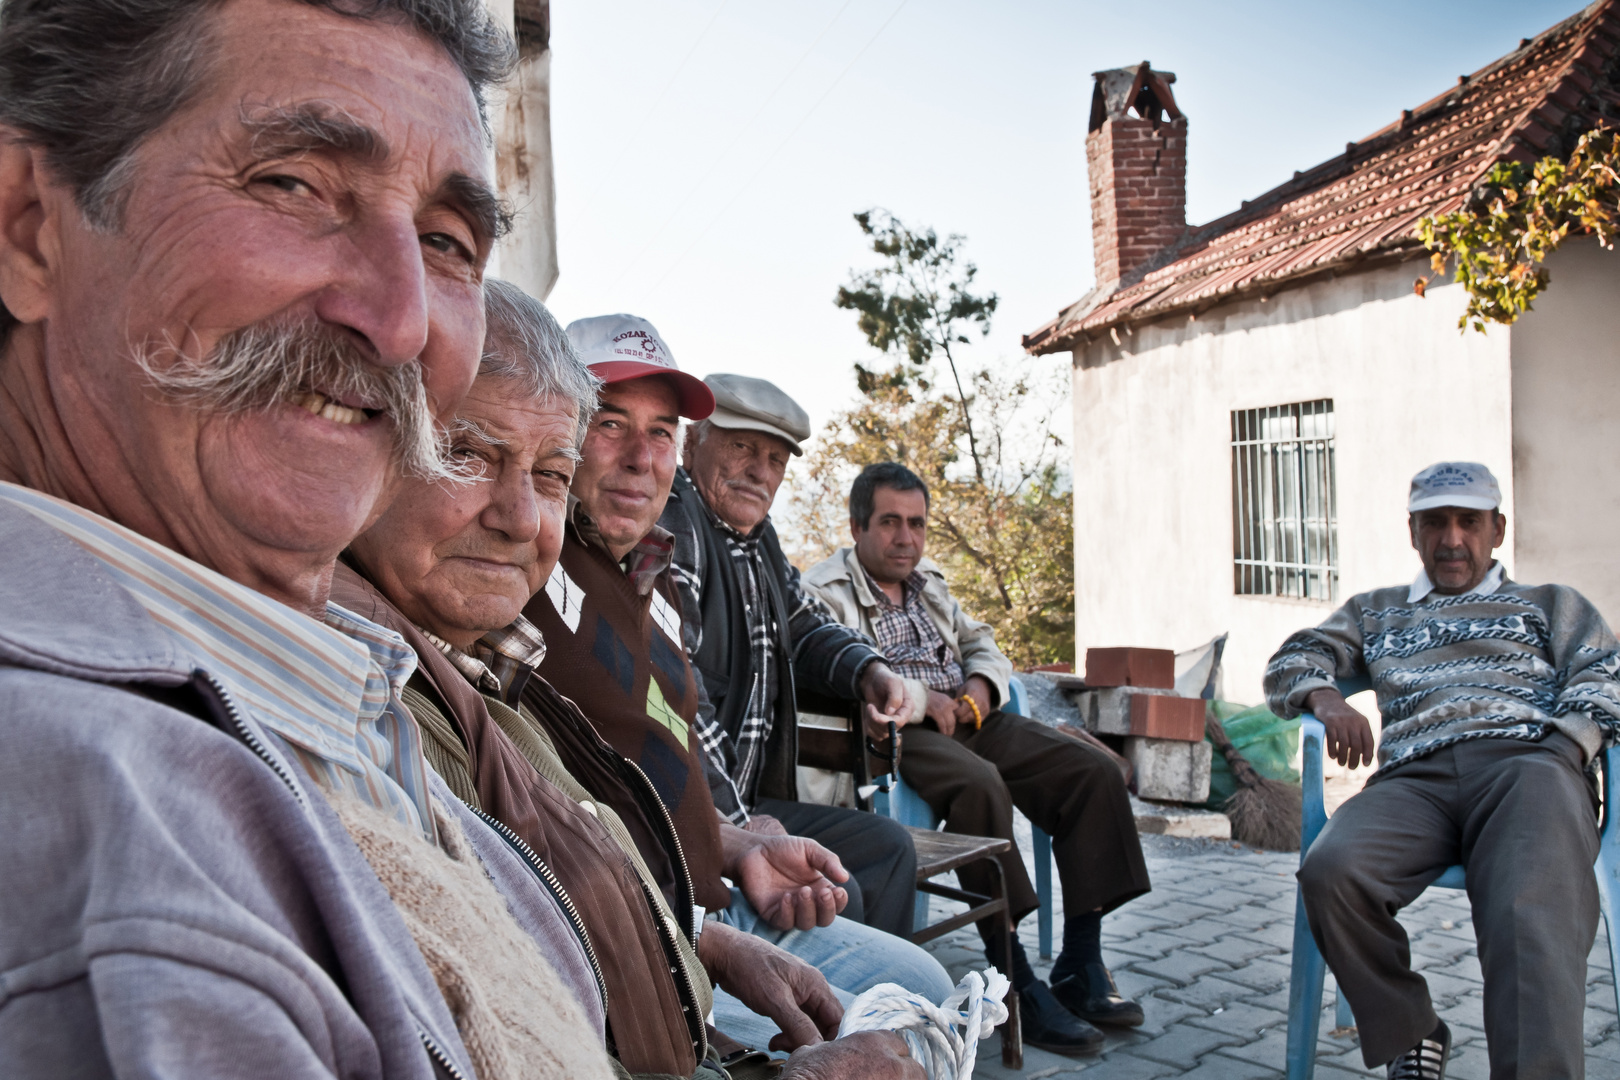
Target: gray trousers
1520	818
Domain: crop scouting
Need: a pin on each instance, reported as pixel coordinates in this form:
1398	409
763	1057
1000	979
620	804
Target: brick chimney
1136	150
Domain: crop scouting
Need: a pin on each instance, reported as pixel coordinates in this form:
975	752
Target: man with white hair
1496	697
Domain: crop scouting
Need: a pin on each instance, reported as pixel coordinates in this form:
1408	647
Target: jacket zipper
549	879
440	1058
253	743
695	1024
675	841
246	735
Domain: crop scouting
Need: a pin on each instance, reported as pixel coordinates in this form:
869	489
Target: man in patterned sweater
1495	697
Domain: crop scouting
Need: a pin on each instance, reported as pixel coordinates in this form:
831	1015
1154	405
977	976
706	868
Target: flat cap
757	405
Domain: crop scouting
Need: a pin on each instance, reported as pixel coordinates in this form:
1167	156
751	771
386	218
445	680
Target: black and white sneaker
1426	1060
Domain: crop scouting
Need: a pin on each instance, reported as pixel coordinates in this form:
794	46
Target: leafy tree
1002	517
919	302
1517	218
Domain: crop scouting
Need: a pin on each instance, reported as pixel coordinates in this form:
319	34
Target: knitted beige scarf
515	1016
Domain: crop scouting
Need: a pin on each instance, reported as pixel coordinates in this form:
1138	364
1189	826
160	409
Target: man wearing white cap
1495	697
759	641
610	615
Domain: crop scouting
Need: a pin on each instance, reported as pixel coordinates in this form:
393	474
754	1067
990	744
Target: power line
772	157
741	131
668	84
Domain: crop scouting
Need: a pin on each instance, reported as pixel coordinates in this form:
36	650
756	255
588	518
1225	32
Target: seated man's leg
1076	794
854	958
968	792
876	851
1378	852
1529	838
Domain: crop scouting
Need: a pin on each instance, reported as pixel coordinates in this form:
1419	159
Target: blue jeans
853	958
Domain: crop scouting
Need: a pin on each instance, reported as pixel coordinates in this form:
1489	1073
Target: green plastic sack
1269	742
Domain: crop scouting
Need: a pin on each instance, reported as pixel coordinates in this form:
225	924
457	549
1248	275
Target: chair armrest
1312	737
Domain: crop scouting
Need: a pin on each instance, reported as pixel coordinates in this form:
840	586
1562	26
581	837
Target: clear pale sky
709	154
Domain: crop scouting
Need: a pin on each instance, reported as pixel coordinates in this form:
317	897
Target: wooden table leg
1012	1032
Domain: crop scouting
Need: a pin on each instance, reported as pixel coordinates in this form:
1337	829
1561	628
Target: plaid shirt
649	558
496	657
909	639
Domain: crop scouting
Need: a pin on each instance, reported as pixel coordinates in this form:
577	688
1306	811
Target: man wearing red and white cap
610	614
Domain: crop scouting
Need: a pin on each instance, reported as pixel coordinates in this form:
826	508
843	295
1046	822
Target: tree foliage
919	301
1001	523
1517	218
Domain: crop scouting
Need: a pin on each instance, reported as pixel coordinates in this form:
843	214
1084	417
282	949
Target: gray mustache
278	361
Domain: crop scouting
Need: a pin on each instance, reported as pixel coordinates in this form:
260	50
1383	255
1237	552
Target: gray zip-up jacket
173	901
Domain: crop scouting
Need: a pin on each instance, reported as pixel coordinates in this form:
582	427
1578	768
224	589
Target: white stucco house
1252	396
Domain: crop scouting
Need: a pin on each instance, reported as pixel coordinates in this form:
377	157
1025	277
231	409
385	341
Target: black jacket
819	658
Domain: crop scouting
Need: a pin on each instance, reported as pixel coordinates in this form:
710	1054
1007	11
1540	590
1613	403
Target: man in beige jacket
971	762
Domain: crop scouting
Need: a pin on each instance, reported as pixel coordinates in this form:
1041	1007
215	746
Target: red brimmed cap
619	348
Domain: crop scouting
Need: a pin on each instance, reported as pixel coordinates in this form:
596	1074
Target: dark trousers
1520	818
876	851
973	779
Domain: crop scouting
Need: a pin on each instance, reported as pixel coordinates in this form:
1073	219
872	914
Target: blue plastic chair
1309	968
908	808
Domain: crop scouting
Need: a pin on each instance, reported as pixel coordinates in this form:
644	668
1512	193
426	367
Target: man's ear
1499	519
1411	527
29	245
855	530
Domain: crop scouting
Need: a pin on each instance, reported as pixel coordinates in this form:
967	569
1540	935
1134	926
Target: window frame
1285	501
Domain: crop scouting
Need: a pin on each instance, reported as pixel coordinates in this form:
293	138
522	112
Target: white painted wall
1566	428
1152	452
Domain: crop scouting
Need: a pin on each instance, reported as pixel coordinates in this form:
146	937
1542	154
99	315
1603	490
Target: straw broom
1265	813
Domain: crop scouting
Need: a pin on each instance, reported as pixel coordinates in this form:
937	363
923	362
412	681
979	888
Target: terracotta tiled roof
1361	206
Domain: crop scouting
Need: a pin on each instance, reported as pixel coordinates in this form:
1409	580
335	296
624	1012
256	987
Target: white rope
931	1030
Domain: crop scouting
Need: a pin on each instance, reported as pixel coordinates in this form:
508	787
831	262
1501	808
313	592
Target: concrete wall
1152	451
1566	428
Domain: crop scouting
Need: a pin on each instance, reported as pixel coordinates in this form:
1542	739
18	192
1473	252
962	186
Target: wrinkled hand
885	695
765	825
942	711
979	691
791	882
772	983
865	1055
1349	735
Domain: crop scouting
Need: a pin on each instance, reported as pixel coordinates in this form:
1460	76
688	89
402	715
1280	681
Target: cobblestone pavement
1207	955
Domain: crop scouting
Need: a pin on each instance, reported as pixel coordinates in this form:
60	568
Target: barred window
1284	529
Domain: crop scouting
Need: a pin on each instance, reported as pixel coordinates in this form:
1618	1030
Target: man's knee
888	839
1330	869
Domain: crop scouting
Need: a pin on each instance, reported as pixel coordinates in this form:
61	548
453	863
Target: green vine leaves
1518	217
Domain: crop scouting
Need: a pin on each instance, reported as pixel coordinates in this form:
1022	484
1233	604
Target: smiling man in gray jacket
241	251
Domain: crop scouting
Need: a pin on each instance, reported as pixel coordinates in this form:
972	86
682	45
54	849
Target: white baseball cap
618	348
1465	484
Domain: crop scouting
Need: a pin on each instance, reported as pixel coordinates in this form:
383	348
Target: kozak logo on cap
640	345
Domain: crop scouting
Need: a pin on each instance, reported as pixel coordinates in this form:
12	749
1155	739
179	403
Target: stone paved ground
1207	953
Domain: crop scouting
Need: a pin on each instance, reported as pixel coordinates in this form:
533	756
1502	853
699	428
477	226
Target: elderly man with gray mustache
241	257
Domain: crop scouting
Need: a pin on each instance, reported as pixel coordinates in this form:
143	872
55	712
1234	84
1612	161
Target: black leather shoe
1048	1025
1092	995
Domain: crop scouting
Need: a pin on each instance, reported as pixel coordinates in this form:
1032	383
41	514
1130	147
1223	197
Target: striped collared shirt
326	693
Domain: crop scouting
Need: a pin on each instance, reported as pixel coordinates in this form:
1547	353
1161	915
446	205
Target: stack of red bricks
1130	693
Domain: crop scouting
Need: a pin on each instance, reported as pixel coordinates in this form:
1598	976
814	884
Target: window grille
1285	538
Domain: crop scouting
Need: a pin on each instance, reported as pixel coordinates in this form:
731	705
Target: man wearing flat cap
757	639
1496	697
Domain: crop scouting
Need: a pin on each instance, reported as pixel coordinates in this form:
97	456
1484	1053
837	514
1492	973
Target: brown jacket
654	1010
